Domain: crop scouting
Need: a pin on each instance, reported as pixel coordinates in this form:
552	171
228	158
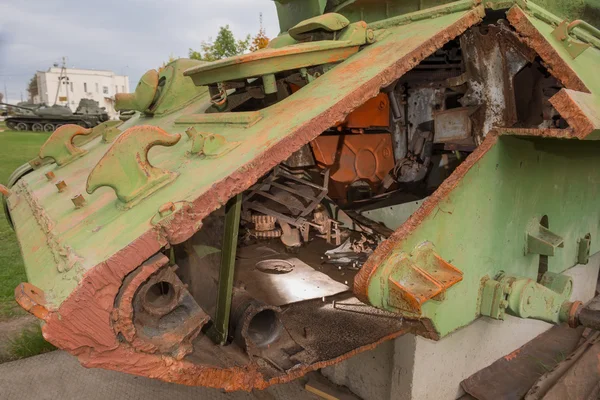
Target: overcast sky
125	36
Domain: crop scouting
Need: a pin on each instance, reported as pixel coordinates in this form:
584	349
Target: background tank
32	117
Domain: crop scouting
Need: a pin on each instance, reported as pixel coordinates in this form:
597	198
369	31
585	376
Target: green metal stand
220	328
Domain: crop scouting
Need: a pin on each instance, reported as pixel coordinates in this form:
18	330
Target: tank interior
308	226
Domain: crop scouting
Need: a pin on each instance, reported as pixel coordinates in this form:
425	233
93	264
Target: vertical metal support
270	84
220	328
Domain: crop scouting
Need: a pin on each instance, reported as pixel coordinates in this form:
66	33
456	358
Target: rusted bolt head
79	201
166	209
370	36
50	176
5	191
61	186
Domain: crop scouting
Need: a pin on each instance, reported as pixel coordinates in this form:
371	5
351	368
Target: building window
122	89
116	89
85	87
105	89
71	87
97	88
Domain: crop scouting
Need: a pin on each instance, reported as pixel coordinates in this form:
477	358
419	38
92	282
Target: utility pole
62	80
5	93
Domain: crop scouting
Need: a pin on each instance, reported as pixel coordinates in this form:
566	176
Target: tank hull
205	242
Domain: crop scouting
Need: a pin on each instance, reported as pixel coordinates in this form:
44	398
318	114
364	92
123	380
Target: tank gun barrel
12	105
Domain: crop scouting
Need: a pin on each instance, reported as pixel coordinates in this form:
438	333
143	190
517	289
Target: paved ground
58	375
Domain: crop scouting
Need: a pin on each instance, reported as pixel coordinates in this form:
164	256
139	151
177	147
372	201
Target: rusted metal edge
361	281
556	65
537	132
82	324
569	105
64	256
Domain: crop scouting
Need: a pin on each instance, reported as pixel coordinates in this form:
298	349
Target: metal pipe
220	328
253	323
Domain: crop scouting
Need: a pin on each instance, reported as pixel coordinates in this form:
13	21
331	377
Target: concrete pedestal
414	368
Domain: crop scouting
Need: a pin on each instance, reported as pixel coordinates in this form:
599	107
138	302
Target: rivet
61	186
50	176
79	201
166	209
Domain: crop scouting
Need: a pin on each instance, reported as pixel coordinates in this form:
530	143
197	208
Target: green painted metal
174	89
588	10
584	250
574	47
292	12
330	22
220	328
126	169
541	240
408	281
60	147
481	225
274	60
433	11
209	145
86	237
143	96
486	225
525	298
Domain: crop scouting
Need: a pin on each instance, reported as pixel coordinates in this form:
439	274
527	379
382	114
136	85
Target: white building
77	84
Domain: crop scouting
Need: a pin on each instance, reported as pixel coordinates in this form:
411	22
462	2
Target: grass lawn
16	148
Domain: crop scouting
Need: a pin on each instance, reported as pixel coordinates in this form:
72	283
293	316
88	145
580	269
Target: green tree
32	88
225	45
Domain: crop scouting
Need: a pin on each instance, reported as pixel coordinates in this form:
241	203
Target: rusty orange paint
362	279
534	39
374	113
366	157
512	355
32	300
83	323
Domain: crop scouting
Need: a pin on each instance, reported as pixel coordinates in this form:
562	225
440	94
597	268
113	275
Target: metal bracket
573	46
60	147
220	329
126	169
542	241
584	250
208	144
525	298
32	300
109	130
413	280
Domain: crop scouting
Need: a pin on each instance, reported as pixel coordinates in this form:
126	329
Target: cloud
124	36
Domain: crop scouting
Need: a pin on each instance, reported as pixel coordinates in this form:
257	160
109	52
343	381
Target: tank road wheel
58	126
37	127
22	126
49	128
